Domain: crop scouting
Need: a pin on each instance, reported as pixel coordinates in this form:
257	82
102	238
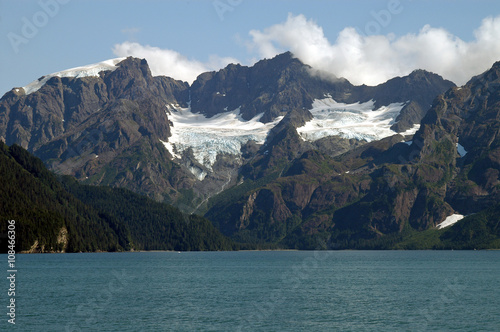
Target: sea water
257	291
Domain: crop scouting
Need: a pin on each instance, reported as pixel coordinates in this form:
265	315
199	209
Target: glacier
224	133
77	72
360	121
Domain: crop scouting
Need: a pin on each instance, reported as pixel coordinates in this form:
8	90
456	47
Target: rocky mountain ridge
384	189
117	127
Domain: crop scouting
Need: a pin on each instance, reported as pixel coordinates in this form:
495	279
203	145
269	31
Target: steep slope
152	225
101	127
375	194
466	121
47	217
273	87
51	217
114	124
284	108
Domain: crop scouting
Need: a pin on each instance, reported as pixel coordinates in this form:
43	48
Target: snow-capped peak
77	72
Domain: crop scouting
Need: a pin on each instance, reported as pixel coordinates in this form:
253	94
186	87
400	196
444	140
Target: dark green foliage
152	225
477	231
34	198
89	218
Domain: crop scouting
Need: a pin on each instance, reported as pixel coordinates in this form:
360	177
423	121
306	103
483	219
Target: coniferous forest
56	214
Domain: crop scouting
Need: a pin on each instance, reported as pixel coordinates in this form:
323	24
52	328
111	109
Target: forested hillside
51	219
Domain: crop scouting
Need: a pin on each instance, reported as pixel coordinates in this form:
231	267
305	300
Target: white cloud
170	63
361	59
375	59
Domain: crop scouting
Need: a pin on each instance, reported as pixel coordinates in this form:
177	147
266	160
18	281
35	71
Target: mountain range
277	152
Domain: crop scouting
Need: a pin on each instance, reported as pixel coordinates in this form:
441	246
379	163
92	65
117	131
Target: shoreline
246	250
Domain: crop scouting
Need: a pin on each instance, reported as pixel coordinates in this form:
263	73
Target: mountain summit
113	123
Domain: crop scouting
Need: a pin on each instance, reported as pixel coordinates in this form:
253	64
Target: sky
365	41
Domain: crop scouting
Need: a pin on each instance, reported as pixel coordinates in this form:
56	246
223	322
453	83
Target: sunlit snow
223	133
450	220
78	72
358	120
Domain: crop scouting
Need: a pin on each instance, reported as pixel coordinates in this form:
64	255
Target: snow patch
77	72
223	133
411	131
359	120
450	220
170	149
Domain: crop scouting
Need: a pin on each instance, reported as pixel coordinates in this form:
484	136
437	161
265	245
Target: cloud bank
375	59
171	63
360	58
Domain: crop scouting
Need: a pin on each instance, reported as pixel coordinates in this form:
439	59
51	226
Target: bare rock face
283	84
108	130
384	188
104	129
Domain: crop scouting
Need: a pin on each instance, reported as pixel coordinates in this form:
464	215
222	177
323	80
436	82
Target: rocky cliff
118	125
376	193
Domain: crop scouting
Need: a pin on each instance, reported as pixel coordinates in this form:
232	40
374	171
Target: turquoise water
257	291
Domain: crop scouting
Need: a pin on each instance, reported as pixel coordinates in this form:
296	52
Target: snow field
359	120
223	133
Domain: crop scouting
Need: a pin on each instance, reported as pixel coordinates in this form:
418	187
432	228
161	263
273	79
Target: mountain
101	126
51	216
386	191
114	124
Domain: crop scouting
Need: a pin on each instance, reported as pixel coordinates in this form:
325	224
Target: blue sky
207	34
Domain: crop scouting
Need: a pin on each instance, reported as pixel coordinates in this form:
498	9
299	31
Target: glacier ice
358	120
226	132
223	133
